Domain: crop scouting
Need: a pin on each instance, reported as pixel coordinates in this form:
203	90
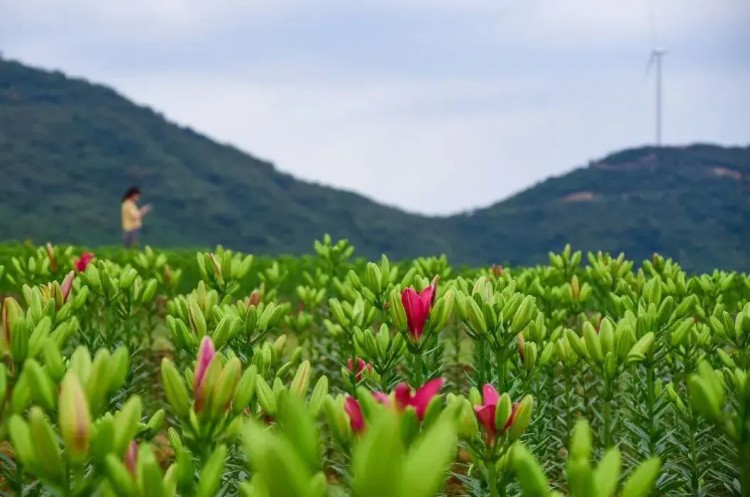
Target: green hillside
692	203
68	148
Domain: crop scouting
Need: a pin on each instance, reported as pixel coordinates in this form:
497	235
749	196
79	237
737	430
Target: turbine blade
650	63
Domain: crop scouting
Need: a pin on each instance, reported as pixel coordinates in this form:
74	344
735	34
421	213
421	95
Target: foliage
217	373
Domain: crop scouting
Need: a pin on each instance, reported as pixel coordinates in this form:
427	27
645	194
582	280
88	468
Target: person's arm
144	210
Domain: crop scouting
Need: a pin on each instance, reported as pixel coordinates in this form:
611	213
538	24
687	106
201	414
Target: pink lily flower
419	401
486	412
361	366
417	307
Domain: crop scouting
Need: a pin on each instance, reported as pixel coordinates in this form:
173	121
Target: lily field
160	373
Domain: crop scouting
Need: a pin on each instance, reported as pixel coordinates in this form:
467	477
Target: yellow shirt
131	216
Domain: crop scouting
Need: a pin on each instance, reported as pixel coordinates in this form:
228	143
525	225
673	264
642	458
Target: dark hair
133	190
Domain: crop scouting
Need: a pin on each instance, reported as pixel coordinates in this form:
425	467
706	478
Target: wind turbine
656	57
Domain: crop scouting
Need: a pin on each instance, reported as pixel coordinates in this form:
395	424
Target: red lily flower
67	284
361	366
486	412
206	353
417	307
419	401
83	261
354	411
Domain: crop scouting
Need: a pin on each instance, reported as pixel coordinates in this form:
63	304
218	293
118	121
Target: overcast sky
432	105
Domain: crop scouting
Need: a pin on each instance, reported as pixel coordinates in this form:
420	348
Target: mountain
691	203
69	148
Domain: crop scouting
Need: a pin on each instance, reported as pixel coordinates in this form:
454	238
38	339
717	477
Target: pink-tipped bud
497	270
206	353
51	257
131	458
521	347
253	299
354	411
67	284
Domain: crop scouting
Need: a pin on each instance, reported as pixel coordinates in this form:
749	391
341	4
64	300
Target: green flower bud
680	333
155	424
46	451
301	380
593	344
149	291
523	315
197	320
703	398
607	336
127	278
39	336
174	388
531	476
120	479
20	436
580	441
102	438
674	397
503	411
245	389
338	421
39	384
212	472
266	397
127	423
607	473
468	428
641	348
725	358
149	477
226	383
642	480
610	366
97	383
73	418
476	318
80	363
576	343
522	418
318	396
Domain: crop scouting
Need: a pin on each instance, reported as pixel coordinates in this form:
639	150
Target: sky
435	106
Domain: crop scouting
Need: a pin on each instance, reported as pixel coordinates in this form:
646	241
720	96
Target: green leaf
377	463
427	460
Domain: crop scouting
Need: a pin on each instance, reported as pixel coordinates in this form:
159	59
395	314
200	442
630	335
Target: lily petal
425	394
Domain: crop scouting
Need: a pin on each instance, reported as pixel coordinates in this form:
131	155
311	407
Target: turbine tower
656	57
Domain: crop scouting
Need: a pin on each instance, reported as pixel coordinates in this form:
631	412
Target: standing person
132	216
